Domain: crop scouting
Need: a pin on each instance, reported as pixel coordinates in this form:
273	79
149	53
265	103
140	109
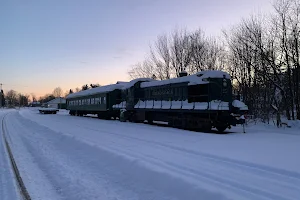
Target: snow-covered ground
68	157
8	188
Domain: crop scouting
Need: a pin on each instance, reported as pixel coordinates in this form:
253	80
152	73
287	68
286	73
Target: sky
69	43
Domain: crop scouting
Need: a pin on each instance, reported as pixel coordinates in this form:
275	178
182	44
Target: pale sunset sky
67	43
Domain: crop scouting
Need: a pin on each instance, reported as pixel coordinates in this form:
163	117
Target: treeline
261	53
12	98
58	92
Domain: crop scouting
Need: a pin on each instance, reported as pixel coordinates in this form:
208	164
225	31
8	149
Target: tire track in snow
214	178
19	180
261	170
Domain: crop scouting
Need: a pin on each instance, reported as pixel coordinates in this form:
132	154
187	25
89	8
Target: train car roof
194	79
101	89
134	81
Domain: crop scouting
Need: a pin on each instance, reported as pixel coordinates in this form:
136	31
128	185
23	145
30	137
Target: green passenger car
97	101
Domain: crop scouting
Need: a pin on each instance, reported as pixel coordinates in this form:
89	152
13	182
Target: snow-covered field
68	157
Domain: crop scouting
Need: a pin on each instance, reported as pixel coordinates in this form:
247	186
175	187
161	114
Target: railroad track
23	191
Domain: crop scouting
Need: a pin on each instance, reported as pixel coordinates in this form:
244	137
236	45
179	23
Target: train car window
104	100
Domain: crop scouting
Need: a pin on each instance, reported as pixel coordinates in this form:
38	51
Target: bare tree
33	96
23	100
57	92
144	70
85	87
12	98
199	47
181	51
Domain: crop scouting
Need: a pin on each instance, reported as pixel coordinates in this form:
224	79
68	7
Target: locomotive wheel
221	128
150	121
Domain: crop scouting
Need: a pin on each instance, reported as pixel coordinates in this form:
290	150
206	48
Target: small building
35	104
58	103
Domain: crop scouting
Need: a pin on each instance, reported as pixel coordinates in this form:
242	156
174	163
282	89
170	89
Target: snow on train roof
134	81
108	88
191	79
101	89
194	79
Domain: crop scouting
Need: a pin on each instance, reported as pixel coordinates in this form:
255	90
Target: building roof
57	100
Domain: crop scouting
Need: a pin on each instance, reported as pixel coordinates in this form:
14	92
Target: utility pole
1	95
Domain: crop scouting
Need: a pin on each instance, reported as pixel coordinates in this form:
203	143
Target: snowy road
8	189
67	157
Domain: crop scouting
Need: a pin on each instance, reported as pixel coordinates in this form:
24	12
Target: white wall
52	105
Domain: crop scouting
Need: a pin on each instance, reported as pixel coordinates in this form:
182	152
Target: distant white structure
35	104
54	102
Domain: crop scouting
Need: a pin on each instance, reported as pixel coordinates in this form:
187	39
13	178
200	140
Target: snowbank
240	105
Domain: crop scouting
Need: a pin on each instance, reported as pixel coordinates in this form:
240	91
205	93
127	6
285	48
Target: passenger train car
200	101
